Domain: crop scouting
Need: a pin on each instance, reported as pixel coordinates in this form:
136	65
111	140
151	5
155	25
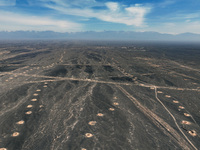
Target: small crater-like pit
100	114
186	114
20	122
34	100
181	107
111	109
29	106
92	123
115	103
192	133
15	134
28	112
168	96
88	135
186	122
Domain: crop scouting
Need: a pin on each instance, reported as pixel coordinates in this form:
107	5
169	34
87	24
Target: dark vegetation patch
75	81
4	62
168	82
95	57
108	68
141	80
19	51
79	66
26	56
59	71
157	79
183	53
47	78
122	79
74	61
14	95
89	69
8	68
140	69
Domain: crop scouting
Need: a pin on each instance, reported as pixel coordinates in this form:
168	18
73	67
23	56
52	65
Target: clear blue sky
165	16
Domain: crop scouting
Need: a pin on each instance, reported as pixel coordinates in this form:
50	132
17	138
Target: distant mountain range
105	35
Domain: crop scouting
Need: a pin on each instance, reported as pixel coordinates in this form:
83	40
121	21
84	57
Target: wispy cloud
110	12
112	6
7	2
165	16
13	22
166	3
192	15
176	27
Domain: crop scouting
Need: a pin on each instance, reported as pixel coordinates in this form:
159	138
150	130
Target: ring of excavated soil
186	114
181	107
29	106
100	114
28	112
88	135
92	123
34	100
111	109
185	122
192	133
15	134
116	104
168	96
20	122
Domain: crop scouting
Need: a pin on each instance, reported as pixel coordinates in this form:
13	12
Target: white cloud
13	22
183	16
7	2
114	12
138	13
192	15
112	6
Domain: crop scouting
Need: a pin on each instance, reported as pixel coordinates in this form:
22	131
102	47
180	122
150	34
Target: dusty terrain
99	96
